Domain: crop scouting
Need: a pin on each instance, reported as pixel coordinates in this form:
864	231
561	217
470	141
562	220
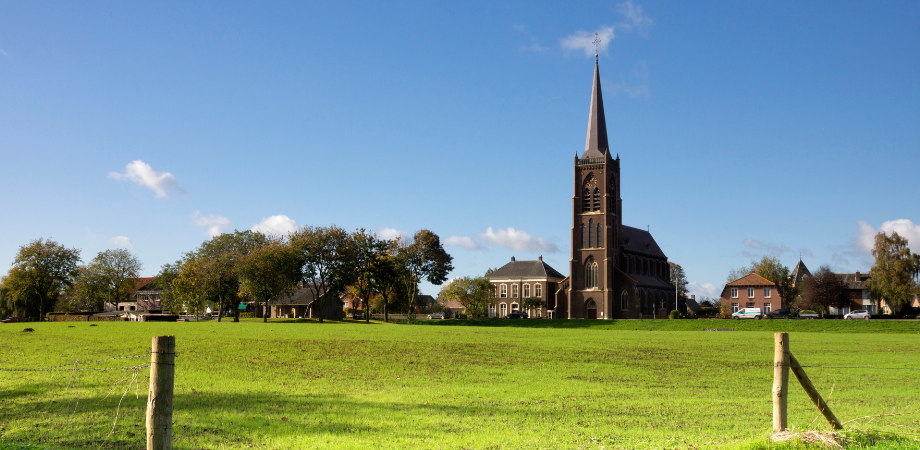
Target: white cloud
865	237
703	290
214	225
3	52
391	233
463	241
122	241
140	173
754	248
582	40
517	240
279	225
635	17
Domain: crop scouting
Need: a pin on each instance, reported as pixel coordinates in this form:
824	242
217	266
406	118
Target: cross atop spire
597	43
596	143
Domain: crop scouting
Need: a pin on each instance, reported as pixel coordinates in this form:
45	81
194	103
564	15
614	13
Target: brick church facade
616	271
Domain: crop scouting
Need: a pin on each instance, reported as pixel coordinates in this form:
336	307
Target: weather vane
597	43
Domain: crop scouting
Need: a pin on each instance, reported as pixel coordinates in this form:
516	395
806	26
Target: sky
744	128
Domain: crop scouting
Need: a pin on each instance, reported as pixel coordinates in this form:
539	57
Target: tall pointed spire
596	143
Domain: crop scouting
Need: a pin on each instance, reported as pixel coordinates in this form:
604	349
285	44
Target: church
615	271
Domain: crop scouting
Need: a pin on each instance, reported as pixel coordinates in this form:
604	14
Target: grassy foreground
496	384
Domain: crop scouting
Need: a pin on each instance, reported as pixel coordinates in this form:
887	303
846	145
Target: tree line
230	269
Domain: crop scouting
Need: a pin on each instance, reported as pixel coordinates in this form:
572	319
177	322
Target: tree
824	289
324	256
422	259
893	277
386	279
679	279
117	270
269	272
168	273
368	253
87	293
41	271
219	267
534	303
475	294
189	288
770	268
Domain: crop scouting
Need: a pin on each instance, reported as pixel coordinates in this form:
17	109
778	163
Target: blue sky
744	128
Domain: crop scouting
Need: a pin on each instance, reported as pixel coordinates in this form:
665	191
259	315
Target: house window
590	233
586	201
504	291
551	314
538	290
598	235
504	309
734	308
492	310
514	291
624	301
766	292
591	274
750	305
597	199
526	291
766	308
734	292
514	307
750	292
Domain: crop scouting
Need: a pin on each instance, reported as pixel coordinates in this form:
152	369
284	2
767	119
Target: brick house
751	291
857	293
518	280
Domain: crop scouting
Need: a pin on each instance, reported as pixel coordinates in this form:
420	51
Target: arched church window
586	201
582	235
590	233
599	235
597	199
624	300
591	274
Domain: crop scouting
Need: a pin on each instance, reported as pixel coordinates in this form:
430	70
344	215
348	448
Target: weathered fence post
780	380
160	398
813	393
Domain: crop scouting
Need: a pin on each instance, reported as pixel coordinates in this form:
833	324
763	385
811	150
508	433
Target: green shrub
247	315
674	314
348	311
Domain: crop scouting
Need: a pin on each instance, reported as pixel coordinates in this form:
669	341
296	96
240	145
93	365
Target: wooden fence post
813	393
780	380
160	398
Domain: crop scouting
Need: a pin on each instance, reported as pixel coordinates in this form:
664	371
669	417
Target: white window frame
503	309
538	290
503	291
734	307
526	290
767	307
750	292
734	292
514	291
515	307
750	305
766	292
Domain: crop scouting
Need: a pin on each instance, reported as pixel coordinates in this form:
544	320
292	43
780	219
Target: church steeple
596	144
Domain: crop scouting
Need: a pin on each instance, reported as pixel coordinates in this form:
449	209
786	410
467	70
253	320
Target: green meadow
458	384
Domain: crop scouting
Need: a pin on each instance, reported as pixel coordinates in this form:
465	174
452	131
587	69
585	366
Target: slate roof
693	305
300	296
525	269
640	241
798	272
751	279
648	281
850	280
596	143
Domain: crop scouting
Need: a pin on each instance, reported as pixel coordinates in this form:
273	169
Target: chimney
692	297
512	259
857	276
541	258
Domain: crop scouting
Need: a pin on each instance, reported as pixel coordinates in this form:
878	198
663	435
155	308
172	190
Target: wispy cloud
141	174
703	290
634	19
214	225
517	240
582	40
391	233
534	45
3	52
279	225
463	241
122	241
638	85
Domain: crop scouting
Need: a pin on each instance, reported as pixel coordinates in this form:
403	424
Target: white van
748	313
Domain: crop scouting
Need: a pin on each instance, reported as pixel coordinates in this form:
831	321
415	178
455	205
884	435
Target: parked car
437	315
779	314
12	320
858	314
808	315
748	313
517	315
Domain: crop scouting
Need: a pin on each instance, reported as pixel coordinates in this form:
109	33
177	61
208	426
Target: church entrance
591	309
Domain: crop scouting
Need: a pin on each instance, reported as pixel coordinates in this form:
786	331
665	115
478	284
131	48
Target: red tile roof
143	281
751	279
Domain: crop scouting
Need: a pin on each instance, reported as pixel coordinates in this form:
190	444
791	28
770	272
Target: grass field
456	384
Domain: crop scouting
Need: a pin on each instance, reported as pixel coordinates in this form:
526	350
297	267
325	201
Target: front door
592	310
